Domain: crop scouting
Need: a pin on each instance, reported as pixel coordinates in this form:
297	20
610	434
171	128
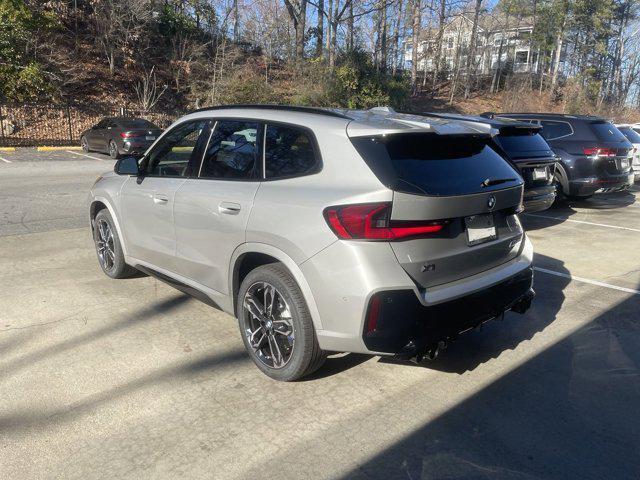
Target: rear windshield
439	165
606	132
138	123
630	133
516	144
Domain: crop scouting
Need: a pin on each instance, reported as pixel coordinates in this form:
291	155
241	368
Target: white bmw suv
323	230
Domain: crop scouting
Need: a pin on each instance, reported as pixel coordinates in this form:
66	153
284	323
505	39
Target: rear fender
288	262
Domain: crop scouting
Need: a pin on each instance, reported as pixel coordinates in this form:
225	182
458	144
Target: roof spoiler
491	125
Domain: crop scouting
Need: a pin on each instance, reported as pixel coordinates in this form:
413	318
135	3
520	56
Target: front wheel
276	326
109	248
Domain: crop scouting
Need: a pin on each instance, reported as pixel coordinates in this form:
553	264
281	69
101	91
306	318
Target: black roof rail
552	114
289	108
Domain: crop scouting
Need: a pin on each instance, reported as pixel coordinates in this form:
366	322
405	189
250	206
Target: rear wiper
496	181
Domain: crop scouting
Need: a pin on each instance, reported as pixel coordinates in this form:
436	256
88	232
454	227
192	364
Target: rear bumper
406	327
134	148
538	199
346	275
588	186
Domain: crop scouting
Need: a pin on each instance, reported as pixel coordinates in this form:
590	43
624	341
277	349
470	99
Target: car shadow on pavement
19	420
570	411
608	201
475	347
146	313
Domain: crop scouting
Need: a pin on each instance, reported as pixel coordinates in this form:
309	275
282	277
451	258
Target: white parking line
587	280
85	155
583	222
5	160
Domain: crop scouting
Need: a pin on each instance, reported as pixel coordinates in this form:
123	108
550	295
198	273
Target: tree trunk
350	28
414	42
302	20
383	39
442	15
396	39
320	28
471	53
558	55
334	35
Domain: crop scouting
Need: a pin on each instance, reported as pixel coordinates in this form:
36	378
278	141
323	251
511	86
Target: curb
7	149
56	149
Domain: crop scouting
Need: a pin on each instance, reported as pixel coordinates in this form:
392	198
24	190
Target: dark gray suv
593	154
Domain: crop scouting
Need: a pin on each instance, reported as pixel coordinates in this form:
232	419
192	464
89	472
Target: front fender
288	262
116	219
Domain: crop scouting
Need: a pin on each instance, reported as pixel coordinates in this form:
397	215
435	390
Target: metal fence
60	125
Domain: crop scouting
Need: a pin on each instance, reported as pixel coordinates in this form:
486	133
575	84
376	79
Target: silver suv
323	230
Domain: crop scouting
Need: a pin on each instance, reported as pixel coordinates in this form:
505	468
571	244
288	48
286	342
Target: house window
522	56
497	40
449	42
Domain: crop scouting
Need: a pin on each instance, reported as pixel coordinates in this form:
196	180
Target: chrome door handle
230	208
160	199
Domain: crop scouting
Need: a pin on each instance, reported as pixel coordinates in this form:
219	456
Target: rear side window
138	123
289	152
631	134
606	132
232	153
439	165
552	129
515	144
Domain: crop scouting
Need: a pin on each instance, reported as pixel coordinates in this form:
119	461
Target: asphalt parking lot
131	379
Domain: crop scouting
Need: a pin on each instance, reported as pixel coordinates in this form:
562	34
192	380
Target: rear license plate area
540	173
480	228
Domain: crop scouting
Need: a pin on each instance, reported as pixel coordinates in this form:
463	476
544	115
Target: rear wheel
276	326
113	150
109	248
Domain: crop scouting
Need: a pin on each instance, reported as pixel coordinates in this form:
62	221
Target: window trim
263	123
216	120
314	144
557	121
143	162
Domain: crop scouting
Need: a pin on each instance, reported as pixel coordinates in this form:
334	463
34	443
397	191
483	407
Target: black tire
112	264
84	143
305	355
113	150
579	197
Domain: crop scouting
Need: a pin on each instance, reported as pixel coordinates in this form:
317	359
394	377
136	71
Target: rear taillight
371	221
600	152
131	134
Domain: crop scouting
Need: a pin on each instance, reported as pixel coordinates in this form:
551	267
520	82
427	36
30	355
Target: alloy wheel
105	245
268	326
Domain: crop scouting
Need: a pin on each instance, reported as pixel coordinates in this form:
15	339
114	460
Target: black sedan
120	136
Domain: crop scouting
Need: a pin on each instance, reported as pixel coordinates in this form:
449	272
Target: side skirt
188	289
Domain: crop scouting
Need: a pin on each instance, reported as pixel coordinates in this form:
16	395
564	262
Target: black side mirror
127	166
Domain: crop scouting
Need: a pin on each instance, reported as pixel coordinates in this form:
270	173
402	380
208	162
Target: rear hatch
457	181
611	149
530	153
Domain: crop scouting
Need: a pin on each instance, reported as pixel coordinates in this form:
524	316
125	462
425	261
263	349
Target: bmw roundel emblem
491	202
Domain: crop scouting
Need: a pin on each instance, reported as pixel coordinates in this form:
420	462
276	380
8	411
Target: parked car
634	137
592	153
521	144
323	230
120	136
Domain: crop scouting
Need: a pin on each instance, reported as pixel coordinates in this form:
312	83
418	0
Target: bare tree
117	24
415	37
147	90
